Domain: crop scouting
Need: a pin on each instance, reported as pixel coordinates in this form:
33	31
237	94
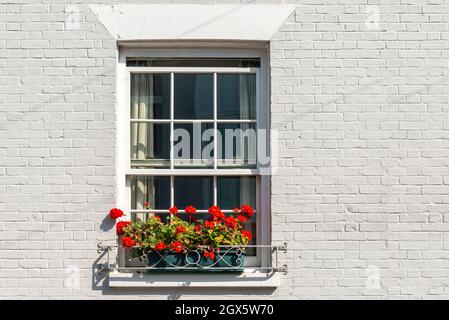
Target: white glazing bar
215	191
172	115
172	191
215	121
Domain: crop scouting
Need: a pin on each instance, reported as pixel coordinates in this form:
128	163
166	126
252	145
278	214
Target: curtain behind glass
141	136
236	96
247	90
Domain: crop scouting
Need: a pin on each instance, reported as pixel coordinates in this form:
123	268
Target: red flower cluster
209	224
209	254
176	246
247	210
190	210
157	218
231	222
197	228
247	234
115	213
173	211
120	225
241	218
128	242
160	246
216	213
180	229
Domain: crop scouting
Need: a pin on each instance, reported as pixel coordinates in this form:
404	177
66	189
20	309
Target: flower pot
194	261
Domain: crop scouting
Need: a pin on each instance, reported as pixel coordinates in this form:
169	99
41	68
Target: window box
231	260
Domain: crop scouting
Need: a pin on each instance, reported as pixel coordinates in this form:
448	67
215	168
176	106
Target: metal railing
193	260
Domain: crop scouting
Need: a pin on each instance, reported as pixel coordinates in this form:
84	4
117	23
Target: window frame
124	170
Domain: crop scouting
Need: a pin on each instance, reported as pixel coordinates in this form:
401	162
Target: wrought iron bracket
105	249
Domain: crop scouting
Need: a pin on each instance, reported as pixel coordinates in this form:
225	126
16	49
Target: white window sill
249	278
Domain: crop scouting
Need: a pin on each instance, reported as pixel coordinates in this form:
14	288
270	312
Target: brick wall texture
359	96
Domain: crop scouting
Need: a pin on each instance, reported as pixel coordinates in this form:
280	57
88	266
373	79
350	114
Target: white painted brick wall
362	113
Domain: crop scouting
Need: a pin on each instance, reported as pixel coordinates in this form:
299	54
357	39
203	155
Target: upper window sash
211	70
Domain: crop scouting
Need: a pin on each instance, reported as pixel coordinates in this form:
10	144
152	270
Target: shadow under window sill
249	278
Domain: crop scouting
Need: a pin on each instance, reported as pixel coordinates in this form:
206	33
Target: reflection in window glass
232	192
150	145
154	190
193	145
236	96
237	144
195	191
194	96
150	96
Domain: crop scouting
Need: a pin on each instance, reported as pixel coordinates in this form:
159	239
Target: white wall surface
360	99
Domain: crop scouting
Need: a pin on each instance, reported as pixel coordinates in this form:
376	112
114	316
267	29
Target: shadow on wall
107	224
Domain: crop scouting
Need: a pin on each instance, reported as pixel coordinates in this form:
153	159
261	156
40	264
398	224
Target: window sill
249	279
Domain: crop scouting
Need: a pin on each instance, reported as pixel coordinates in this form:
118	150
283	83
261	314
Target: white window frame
263	224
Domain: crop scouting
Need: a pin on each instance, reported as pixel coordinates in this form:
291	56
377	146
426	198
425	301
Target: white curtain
142	137
247	94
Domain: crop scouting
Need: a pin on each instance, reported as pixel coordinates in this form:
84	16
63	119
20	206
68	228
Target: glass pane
144	216
193	145
233	192
150	145
150	96
155	190
237	144
236	96
193	96
195	191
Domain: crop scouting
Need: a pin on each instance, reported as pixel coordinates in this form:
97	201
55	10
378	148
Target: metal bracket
282	247
104	267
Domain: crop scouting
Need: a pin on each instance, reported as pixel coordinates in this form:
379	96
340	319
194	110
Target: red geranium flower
157	218
216	213
213	210
120	225
180	229
247	234
231	222
160	246
115	213
146	204
197	228
190	210
247	210
128	242
236	210
173	210
210	255
209	224
241	218
176	246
